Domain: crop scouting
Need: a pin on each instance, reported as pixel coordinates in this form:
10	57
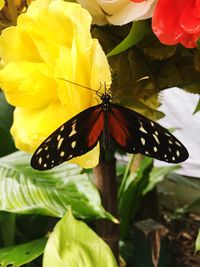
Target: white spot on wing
143	141
40	160
178	143
60	143
155	149
73	144
156	138
142	129
48	140
62	153
39	150
73	131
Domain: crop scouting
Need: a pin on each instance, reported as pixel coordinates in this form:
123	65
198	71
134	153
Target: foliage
37	207
134	186
197	245
21	254
47	193
72	244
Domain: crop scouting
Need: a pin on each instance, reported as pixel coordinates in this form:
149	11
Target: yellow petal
16	44
28	84
51	41
2	3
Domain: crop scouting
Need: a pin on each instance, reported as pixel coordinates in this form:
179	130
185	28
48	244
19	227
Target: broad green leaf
73	244
131	193
25	190
177	71
133	188
21	254
138	31
6	142
135	86
197	244
197	109
194	206
7	228
155	50
157	175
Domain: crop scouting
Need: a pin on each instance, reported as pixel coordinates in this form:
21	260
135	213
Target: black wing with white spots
135	133
74	138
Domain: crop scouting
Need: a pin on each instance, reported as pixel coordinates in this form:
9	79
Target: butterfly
131	131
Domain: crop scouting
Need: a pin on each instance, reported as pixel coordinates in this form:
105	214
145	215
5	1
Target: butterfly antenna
88	88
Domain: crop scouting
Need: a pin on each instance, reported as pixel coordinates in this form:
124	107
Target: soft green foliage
133	188
6	141
157	174
73	244
21	254
130	194
24	190
197	244
138	31
197	109
7	228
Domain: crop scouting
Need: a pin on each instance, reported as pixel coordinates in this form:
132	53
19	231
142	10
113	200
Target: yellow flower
51	41
2	3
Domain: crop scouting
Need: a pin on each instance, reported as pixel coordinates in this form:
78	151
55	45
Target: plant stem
105	180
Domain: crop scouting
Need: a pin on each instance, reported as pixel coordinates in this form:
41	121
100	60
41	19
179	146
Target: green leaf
133	188
73	244
131	193
22	254
154	49
194	206
157	175
6	142
25	190
135	85
138	31
177	71
197	107
7	229
197	244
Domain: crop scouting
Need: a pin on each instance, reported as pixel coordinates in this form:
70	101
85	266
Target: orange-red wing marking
94	126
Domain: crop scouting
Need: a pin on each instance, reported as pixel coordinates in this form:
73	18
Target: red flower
177	21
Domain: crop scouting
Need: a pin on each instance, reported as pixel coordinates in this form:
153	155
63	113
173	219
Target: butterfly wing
135	133
74	138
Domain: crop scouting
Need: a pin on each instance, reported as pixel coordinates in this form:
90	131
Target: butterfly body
132	132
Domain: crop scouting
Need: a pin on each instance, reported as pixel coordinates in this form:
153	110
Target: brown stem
105	180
